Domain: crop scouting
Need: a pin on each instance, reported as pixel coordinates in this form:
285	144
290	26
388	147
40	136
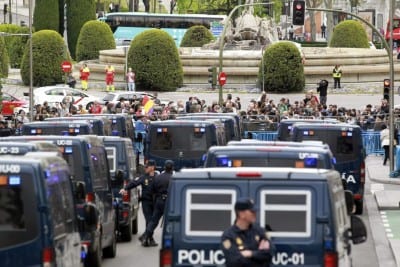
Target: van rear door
20	238
192	231
296	217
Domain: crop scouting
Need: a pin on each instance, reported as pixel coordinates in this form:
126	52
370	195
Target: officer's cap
150	162
169	164
244	204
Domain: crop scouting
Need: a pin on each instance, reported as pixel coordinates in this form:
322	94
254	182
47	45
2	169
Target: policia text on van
306	210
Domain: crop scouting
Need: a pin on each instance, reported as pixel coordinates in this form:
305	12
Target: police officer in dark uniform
146	181
245	244
160	192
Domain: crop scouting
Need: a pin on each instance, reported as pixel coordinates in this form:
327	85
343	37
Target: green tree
283	68
196	36
78	13
48	52
94	36
15	44
349	33
46	15
155	59
3	58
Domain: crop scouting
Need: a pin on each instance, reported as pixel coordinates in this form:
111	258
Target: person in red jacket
110	72
96	108
84	76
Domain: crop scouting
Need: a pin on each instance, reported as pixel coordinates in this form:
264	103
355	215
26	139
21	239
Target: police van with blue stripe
307	212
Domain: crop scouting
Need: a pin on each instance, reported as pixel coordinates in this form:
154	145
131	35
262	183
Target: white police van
306	210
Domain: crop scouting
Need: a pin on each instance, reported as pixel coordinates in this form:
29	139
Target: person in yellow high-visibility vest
110	71
337	74
84	76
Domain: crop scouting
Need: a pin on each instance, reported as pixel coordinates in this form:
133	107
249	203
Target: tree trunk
312	21
329	20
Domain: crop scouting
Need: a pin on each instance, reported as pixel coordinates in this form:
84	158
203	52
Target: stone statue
248	32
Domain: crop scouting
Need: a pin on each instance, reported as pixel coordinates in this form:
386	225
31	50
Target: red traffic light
386	82
299	12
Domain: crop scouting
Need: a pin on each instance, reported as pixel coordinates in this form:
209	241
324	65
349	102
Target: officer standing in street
337	75
146	182
245	244
160	192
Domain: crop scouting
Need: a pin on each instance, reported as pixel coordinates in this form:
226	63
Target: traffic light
299	12
212	76
386	89
5	9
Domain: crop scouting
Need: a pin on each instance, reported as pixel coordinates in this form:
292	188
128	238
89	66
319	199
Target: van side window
344	145
61	201
202	204
100	165
286	212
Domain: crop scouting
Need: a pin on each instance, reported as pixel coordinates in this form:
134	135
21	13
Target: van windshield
173	141
18	209
344	146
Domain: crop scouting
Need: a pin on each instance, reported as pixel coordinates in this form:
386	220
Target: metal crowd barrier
372	142
261	135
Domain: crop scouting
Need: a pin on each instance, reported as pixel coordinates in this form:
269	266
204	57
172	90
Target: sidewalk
385	199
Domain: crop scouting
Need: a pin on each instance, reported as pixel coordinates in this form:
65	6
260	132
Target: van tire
111	251
359	207
126	232
93	259
135	227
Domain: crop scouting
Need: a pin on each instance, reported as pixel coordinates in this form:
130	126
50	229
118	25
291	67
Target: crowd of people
263	108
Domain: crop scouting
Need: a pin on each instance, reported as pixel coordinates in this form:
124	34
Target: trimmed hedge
48	52
283	68
154	57
197	36
94	36
349	33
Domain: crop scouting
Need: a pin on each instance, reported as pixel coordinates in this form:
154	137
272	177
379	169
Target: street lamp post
30	63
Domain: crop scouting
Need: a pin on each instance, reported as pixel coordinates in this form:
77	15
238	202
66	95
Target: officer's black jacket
146	181
161	183
234	240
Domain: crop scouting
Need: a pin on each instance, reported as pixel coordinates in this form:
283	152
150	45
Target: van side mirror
80	192
358	230
348	195
90	213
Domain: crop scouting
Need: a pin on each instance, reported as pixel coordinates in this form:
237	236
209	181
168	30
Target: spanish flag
148	107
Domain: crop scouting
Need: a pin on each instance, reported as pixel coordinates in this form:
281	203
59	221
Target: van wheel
111	251
135	227
359	206
126	232
93	259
